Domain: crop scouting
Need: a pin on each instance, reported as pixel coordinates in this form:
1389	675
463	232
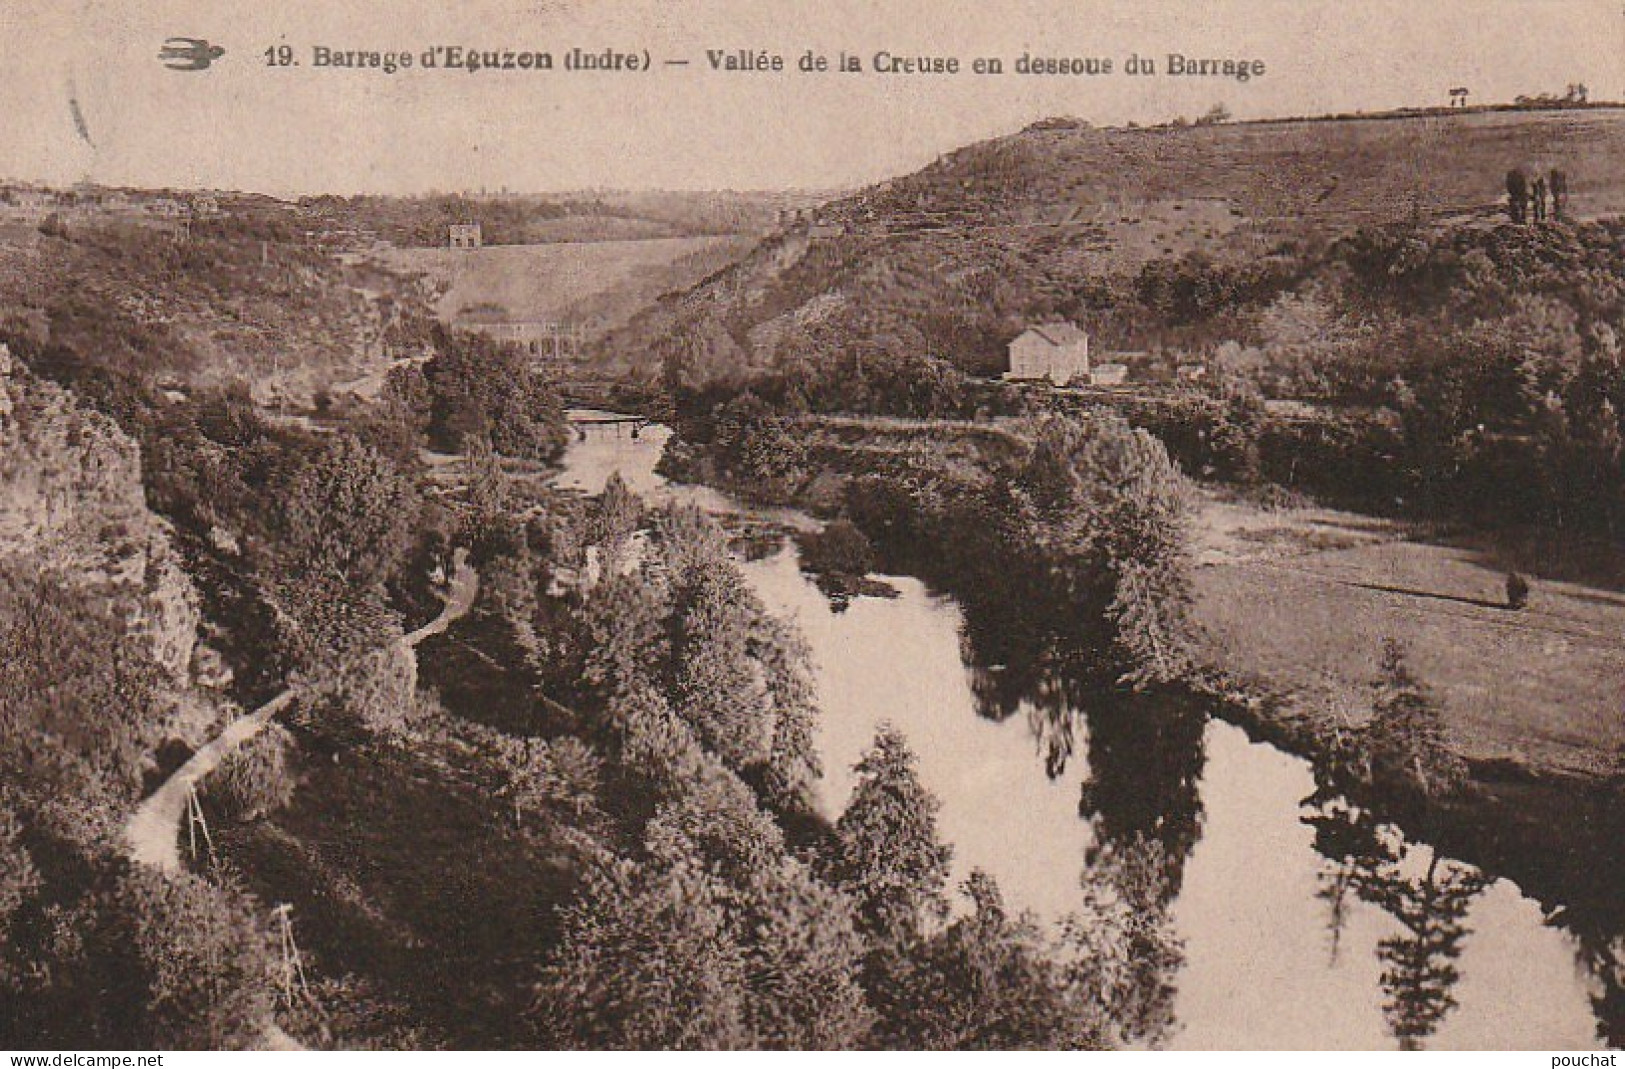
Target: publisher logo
189	54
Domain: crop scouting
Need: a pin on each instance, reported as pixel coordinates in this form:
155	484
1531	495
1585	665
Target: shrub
255	779
202	959
839	549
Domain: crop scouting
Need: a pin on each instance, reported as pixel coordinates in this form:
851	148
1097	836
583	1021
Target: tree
1517	195
81	699
1104	511
1125	950
346	524
491	527
838	549
757	450
886	853
717	685
203	958
627	643
1560	193
646	962
542	775
803	956
351	1013
479	386
616	513
1404	741
19	879
688	541
793	763
990	981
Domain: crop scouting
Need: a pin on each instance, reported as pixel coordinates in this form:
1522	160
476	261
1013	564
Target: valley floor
1297	602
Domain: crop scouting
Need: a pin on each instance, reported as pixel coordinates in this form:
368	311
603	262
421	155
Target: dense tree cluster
716	910
1470	373
476	387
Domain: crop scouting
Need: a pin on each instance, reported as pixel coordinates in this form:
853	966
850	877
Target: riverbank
1292	607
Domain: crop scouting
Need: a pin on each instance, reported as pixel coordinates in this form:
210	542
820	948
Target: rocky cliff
71	505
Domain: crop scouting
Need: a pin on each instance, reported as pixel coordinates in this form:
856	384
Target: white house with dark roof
1057	352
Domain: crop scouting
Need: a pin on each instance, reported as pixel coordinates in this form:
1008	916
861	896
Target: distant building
465	236
33	199
545	339
1057	352
1108	374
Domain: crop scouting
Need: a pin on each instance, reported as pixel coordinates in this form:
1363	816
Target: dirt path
152	833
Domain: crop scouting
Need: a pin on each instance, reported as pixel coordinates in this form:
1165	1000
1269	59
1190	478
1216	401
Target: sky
86	97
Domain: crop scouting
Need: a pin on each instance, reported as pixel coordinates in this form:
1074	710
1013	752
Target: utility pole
196	826
293	962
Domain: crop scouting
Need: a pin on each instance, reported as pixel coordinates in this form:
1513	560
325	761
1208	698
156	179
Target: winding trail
152	832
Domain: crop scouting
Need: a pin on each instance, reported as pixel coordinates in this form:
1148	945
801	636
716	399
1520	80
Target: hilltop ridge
956	257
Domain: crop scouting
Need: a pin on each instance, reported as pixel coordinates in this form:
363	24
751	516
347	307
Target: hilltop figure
1537	199
1517	591
1517	194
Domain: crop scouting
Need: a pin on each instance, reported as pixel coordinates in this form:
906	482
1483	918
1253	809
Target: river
1284	910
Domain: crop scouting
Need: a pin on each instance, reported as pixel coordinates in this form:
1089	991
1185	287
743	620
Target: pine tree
1404	740
886	853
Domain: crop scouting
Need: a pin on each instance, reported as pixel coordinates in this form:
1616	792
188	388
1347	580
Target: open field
1296	175
1300	601
599	284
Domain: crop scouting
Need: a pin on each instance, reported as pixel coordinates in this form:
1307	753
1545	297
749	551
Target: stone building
1056	352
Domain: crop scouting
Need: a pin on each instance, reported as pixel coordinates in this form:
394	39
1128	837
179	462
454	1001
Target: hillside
237	298
956	258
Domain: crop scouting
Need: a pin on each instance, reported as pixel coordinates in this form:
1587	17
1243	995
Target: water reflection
1259	908
1373	861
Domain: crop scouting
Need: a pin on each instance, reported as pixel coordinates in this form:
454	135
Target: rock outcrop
72	507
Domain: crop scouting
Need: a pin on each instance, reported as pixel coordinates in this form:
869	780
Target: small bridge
583	424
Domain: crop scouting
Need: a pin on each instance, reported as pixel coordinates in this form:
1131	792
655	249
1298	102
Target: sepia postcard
858	525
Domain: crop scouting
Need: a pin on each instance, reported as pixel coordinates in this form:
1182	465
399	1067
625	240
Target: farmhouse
1058	352
464	236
